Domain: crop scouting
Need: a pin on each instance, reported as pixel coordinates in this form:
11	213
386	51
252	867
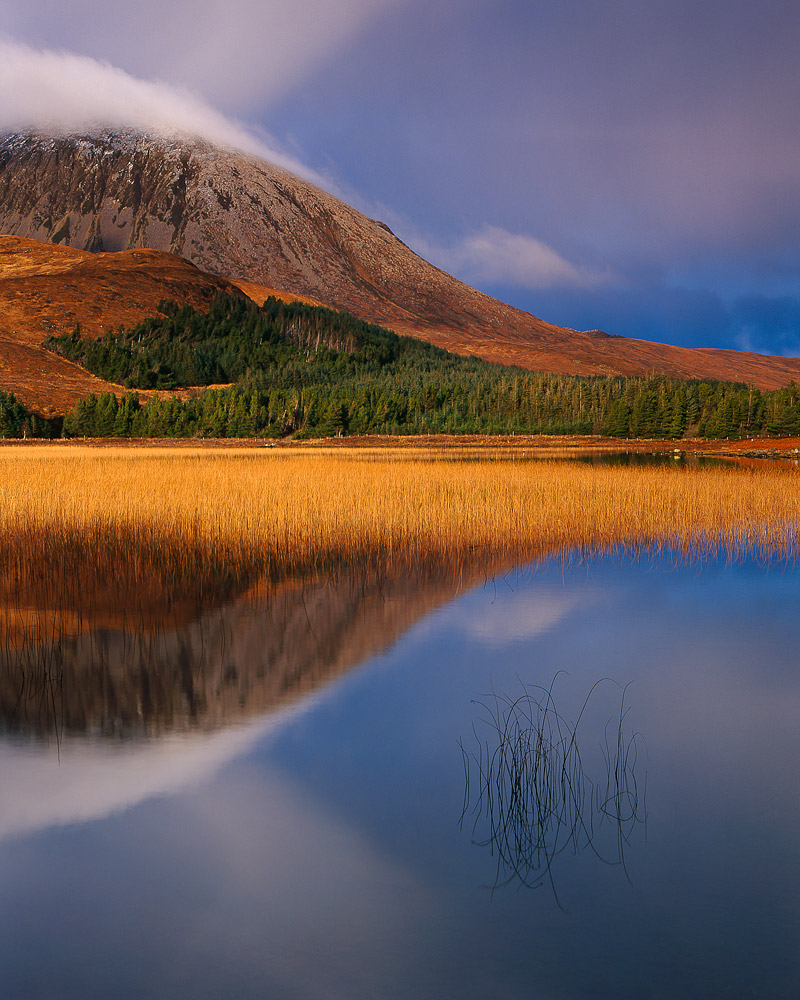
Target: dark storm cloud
683	316
766	324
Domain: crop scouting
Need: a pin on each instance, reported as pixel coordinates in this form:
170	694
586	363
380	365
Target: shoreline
544	445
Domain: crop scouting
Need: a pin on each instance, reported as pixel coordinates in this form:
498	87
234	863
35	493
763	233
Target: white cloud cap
239	54
60	92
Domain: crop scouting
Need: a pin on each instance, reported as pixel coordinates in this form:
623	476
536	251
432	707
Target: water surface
266	801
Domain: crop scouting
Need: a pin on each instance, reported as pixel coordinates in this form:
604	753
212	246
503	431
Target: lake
568	779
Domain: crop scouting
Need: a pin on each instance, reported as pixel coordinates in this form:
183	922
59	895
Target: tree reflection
530	795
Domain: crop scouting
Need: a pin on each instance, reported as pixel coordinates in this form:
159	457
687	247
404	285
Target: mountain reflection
531	794
181	663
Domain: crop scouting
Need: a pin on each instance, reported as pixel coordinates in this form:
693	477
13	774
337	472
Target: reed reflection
532	798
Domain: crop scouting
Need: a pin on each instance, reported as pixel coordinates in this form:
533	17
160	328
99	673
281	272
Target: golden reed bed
179	524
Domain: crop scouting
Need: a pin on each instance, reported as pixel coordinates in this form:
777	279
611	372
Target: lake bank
561	445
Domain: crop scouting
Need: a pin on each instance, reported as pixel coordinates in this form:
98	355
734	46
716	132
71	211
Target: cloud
61	92
494	255
649	140
239	54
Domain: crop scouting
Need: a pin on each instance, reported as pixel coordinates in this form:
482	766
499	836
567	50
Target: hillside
245	219
46	290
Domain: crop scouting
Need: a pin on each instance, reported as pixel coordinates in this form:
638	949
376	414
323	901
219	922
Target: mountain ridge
244	219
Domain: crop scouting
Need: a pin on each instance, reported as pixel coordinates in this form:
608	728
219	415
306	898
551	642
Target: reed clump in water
531	796
184	524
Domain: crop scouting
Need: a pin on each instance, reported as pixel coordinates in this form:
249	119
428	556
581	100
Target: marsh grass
146	540
155	528
531	796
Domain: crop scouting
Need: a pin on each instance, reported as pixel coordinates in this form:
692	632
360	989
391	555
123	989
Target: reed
190	522
531	796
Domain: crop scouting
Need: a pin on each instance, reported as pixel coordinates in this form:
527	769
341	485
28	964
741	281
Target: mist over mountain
243	218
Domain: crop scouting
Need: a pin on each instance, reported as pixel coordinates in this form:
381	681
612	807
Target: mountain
245	219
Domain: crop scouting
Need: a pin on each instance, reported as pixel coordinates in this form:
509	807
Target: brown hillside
235	215
44	383
47	289
260	293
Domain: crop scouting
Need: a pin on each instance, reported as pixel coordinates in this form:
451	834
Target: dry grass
240	512
144	539
141	538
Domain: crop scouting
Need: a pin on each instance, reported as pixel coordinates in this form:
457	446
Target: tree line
18	422
309	371
235	338
416	403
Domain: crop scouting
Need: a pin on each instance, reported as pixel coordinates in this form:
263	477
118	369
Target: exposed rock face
243	218
227	213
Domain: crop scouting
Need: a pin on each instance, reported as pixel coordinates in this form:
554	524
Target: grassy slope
47	289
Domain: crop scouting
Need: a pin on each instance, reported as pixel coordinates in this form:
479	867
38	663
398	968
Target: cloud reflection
518	617
92	780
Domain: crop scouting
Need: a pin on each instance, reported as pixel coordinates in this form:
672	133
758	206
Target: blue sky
628	166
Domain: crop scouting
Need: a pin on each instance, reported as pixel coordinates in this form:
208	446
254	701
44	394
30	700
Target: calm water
268	802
